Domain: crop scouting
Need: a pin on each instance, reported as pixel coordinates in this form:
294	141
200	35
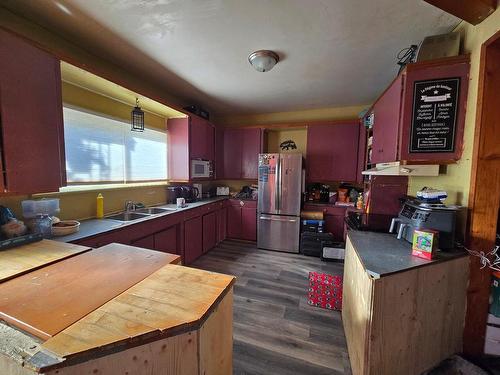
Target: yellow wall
457	179
275	138
320	114
83	98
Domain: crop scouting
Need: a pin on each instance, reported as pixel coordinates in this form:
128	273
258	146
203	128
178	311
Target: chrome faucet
130	206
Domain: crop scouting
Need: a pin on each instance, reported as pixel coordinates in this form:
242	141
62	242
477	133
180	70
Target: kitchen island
176	320
401	314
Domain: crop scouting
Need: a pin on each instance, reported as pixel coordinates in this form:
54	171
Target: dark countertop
93	227
383	254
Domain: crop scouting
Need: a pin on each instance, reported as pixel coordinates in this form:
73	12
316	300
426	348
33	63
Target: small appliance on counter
198	191
417	214
222	190
188	192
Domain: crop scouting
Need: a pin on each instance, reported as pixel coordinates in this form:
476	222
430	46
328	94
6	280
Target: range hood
397	169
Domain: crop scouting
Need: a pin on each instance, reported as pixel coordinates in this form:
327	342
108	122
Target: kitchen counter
176	320
401	314
383	254
92	227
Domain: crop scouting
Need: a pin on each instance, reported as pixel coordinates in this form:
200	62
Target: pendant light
137	119
263	60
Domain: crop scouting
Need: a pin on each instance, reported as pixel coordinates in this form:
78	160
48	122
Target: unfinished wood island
401	314
162	318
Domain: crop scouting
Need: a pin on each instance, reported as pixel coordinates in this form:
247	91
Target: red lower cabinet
234	220
242	220
209	231
335	225
147	242
221	224
249	223
193	243
166	240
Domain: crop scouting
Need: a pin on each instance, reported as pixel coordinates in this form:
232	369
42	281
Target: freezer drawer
276	232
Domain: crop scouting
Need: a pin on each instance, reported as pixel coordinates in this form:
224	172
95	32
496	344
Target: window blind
104	150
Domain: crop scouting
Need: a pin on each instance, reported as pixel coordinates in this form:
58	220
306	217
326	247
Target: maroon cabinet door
387	112
198	141
250	150
232	153
234	221
221	224
166	240
335	225
248	223
332	152
178	149
219	153
209	231
193	234
147	242
202	139
31	115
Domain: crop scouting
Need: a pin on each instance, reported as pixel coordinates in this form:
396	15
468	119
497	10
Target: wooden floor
275	330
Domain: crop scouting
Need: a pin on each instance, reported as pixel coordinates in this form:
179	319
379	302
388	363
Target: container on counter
33	208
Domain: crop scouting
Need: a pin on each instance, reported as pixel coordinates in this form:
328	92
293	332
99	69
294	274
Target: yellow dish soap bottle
99	206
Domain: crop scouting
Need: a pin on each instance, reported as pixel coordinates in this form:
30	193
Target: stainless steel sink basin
153	210
127	216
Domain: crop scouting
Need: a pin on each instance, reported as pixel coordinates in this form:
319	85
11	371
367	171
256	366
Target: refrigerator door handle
277	191
286	220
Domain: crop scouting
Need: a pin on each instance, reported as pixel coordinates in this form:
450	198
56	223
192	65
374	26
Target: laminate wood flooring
275	330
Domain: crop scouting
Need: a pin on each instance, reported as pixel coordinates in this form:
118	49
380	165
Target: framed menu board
434	115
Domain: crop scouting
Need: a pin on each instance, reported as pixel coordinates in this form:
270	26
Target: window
103	150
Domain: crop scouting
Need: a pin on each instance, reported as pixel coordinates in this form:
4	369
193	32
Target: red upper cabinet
241	152
332	151
386	114
202	139
420	116
232	153
188	138
31	118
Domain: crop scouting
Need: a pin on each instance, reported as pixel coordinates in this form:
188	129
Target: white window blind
104	150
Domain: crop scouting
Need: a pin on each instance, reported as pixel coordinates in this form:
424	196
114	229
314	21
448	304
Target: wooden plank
484	194
356	309
472	11
46	301
216	340
172	297
418	317
26	258
175	355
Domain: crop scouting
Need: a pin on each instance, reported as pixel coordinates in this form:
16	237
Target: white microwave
201	168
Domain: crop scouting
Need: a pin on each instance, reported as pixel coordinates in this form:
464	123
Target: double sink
139	213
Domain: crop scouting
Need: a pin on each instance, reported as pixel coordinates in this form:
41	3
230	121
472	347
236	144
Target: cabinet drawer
243	203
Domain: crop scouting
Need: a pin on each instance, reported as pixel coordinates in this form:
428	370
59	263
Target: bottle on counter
99	206
359	202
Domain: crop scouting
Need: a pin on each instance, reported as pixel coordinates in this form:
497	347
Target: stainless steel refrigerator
280	187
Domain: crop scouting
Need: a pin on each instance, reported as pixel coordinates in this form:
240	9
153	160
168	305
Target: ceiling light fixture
263	60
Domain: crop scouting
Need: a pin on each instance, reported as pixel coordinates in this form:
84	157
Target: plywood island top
26	258
171	300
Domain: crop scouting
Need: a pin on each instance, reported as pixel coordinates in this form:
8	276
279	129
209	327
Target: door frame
484	199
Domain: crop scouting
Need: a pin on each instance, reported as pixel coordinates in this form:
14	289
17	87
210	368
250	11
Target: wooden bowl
65	227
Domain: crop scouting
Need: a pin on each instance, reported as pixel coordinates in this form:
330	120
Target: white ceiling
333	53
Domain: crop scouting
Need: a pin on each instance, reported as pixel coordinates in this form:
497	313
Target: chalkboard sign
434	116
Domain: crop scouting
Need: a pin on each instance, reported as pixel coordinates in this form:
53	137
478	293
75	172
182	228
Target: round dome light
263	60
